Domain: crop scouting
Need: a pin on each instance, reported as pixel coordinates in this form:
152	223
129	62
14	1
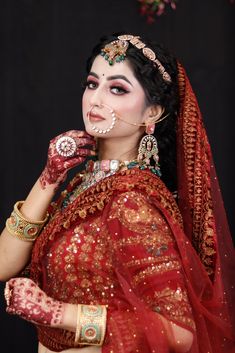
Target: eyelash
120	89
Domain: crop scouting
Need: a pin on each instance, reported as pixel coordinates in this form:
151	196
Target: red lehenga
125	242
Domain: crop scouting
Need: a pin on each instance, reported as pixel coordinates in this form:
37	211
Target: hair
158	92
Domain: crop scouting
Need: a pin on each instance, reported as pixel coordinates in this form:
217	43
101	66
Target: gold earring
148	151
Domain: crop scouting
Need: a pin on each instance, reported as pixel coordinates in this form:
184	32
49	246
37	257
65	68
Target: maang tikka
148	151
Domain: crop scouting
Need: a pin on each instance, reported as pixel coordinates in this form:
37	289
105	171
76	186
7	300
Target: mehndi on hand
65	152
26	299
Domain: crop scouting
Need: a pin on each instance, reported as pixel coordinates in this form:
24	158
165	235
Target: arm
14	252
27	300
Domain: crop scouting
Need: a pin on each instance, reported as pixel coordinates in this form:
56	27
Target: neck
118	148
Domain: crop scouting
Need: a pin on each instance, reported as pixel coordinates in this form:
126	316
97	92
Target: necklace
94	172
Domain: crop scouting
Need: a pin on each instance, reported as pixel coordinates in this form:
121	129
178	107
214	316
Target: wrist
21	226
51	178
69	318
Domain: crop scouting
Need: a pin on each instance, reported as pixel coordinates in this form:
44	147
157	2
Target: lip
94	117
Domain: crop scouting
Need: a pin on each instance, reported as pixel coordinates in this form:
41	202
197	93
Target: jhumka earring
148	151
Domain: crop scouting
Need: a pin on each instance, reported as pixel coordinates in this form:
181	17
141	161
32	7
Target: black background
44	46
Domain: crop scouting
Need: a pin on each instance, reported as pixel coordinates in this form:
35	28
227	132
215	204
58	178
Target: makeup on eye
117	88
91	84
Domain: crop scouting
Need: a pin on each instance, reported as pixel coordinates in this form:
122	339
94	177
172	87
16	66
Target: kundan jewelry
96	171
91	325
148	151
115	51
66	146
21	227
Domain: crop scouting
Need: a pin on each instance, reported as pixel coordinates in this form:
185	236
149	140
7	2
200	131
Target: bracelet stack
21	227
91	325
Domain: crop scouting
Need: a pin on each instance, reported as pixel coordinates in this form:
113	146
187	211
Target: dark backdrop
44	45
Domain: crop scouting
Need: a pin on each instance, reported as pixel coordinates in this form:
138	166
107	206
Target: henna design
29	302
65	152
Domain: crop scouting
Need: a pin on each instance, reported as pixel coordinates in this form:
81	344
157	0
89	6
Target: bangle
91	325
21	227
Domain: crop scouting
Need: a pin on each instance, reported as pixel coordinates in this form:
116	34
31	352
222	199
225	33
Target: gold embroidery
197	158
137	214
79	255
173	304
97	196
152	270
150	260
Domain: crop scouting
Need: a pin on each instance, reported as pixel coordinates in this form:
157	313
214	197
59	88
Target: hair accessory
148	150
116	51
22	228
66	146
91	325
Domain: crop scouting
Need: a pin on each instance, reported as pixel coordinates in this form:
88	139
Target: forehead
102	68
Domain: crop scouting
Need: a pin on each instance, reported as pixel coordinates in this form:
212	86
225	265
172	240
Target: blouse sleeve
144	245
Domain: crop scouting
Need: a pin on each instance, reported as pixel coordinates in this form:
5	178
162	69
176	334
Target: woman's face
117	88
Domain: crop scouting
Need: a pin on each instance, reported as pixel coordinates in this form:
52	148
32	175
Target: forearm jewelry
91	325
21	227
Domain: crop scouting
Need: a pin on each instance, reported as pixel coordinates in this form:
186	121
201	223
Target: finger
13	281
8	293
78	133
74	161
85	152
82	141
10	310
71	133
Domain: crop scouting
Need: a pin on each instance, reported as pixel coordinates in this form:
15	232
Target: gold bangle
21	227
91	325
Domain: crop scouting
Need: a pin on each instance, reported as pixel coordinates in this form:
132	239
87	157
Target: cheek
133	107
84	100
85	105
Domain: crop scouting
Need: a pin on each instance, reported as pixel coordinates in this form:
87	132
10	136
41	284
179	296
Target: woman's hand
65	152
26	299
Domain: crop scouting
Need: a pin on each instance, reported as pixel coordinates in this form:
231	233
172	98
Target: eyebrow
114	77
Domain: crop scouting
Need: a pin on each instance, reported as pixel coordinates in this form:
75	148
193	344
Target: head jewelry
116	52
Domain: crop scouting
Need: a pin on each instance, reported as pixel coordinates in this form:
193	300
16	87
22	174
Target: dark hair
158	92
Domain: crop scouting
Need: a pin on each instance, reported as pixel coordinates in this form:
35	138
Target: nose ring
103	131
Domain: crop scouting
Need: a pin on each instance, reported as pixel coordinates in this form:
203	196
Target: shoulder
133	202
135	210
142	192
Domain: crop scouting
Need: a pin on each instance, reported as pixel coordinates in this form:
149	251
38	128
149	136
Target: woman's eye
91	84
118	90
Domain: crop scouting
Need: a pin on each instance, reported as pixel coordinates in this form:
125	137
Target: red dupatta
200	200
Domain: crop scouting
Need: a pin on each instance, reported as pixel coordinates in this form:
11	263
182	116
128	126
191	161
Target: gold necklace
96	171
